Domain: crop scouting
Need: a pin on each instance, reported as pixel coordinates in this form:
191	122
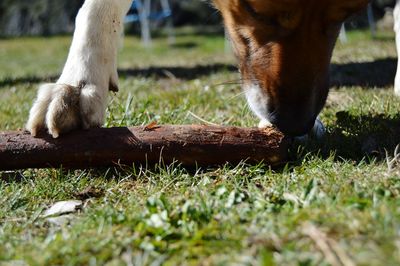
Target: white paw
318	131
264	123
60	108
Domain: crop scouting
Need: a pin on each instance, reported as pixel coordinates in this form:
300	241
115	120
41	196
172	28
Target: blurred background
50	17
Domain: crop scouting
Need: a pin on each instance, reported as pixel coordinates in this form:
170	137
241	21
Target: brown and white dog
284	48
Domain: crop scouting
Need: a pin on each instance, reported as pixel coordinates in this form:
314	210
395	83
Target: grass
340	192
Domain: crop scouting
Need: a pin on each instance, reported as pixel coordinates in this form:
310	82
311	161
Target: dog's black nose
291	124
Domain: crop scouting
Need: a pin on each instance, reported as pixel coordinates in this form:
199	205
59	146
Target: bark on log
189	145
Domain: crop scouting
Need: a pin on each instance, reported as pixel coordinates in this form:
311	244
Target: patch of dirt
89	192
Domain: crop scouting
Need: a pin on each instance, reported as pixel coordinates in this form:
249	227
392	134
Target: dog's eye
249	8
289	20
258	16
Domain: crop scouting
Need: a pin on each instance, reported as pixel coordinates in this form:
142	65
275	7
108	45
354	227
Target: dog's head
284	49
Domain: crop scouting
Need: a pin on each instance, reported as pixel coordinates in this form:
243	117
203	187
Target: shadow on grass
26	80
184	45
184	73
376	74
198	31
384	38
358	138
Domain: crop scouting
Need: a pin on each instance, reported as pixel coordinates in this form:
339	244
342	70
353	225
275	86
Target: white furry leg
79	98
396	15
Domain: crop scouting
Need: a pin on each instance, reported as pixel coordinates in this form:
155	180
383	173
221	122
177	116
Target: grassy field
336	203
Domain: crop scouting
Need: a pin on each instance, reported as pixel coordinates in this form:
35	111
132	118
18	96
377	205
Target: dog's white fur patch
258	103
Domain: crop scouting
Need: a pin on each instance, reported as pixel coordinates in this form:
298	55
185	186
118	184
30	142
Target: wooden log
189	145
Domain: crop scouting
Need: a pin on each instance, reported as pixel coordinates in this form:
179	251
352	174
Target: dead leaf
152	126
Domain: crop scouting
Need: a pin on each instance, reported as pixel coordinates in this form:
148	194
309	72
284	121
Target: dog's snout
292	124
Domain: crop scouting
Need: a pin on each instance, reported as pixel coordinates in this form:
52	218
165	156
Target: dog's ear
340	10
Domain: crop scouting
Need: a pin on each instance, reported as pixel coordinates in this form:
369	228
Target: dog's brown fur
285	47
